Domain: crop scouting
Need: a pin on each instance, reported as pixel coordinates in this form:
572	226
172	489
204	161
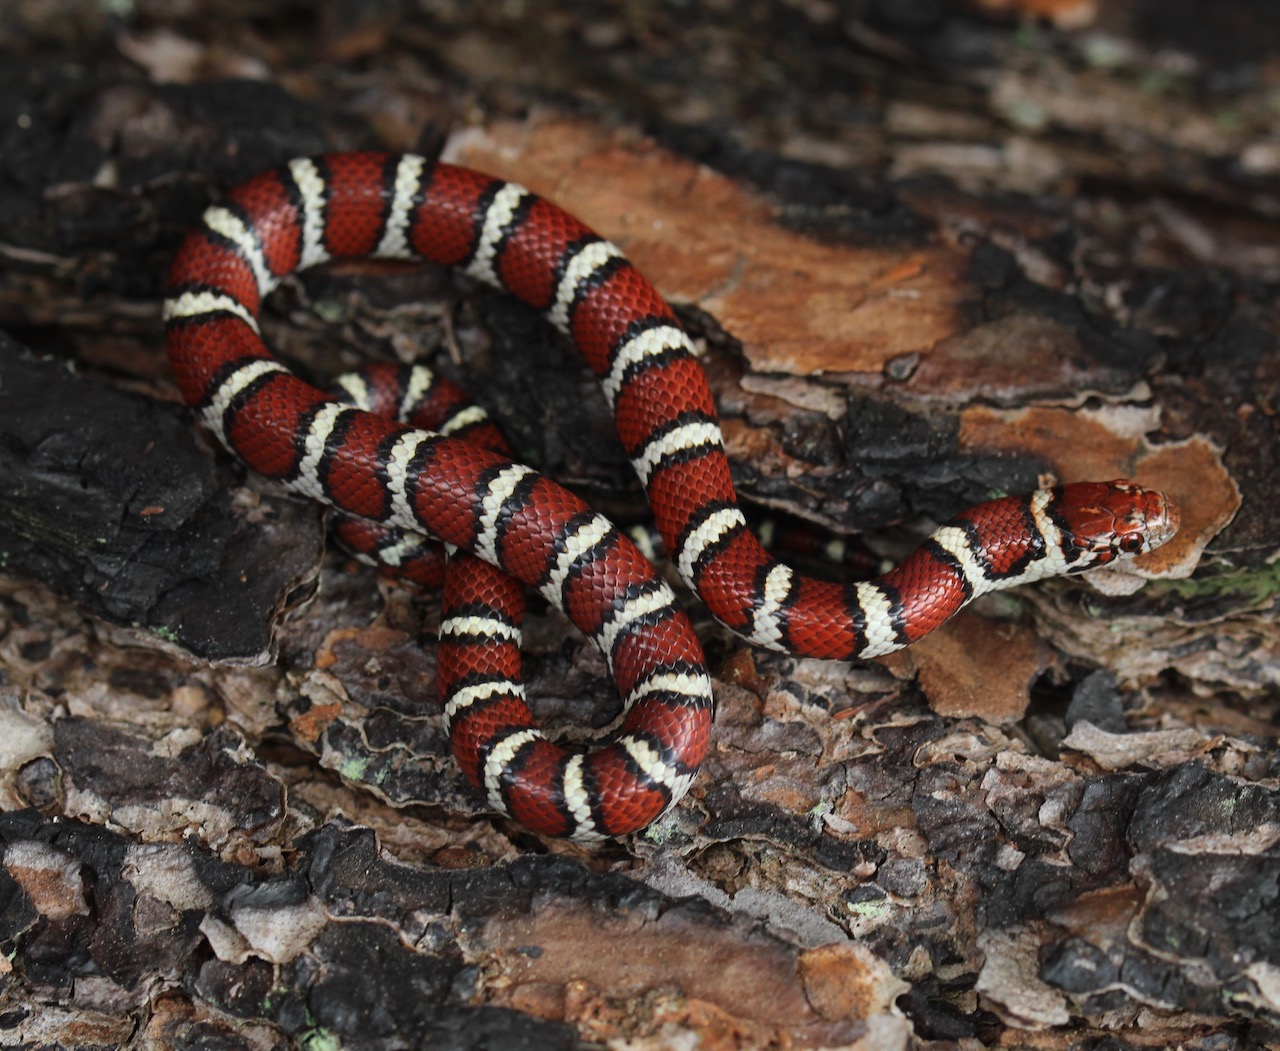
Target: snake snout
1168	521
1158	516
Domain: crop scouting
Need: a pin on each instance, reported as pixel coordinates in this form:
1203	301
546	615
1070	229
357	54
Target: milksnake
402	206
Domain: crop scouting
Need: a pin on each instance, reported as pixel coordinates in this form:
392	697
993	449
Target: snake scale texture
445	474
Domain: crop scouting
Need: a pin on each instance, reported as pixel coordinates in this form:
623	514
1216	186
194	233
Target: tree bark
931	253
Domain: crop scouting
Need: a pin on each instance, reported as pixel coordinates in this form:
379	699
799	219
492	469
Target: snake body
475	498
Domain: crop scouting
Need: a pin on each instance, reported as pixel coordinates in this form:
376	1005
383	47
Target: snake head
1108	521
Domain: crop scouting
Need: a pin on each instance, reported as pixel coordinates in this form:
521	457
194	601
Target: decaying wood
929	257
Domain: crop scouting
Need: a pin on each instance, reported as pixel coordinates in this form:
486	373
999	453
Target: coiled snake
401	206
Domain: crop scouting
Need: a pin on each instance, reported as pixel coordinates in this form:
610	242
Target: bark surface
934	252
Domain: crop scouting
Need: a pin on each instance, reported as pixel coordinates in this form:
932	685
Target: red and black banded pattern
476	499
479	657
412	394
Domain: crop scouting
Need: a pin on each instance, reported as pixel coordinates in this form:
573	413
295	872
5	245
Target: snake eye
1131	543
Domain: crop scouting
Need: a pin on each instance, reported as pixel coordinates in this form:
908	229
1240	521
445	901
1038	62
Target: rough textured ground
934	252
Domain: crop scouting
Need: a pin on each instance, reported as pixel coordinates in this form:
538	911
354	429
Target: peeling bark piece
49	877
1008	980
705	239
1102	917
844	980
169	876
282	933
49	1025
826	995
105	496
974	666
1115	751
